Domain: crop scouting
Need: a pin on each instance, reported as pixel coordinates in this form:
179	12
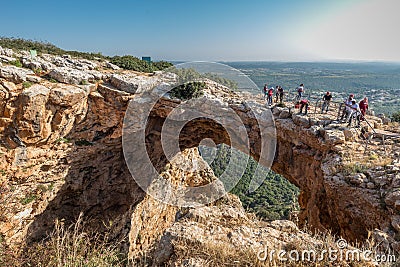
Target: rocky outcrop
17	75
71	76
61	154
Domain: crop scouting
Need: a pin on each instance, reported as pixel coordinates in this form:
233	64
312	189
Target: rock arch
91	167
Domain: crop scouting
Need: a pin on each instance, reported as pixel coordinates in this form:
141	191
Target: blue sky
288	30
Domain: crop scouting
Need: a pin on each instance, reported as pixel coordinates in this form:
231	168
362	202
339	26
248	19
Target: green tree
396	116
274	199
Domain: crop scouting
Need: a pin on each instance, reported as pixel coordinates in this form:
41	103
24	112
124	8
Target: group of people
269	93
352	111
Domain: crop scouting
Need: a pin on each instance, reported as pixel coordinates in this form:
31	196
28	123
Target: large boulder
16	74
70	76
32	114
6	52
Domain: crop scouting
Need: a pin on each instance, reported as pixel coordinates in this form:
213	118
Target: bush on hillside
133	63
126	62
396	116
190	84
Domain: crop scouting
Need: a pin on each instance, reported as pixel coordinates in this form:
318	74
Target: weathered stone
112	66
15	74
334	137
70	76
285	114
357	179
72	136
6	52
32	118
350	134
301	121
392	198
6	59
396	222
67	95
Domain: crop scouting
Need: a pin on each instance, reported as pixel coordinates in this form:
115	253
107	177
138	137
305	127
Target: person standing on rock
347	110
280	93
363	107
327	101
300	91
270	94
355	113
277	93
265	91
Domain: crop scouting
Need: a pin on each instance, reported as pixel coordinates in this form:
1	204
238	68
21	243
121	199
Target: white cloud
366	31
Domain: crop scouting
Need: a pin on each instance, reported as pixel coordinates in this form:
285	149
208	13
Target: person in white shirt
355	113
347	109
300	91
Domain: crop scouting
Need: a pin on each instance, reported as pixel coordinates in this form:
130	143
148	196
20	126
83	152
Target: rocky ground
61	154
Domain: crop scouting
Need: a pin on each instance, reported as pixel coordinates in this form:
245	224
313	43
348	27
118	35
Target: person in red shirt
363	107
270	94
303	104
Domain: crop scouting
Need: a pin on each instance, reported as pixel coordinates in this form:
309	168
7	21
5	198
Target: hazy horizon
222	31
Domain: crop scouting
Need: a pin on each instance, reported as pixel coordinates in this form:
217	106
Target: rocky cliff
61	154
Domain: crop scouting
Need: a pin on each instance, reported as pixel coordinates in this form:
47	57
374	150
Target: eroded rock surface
61	154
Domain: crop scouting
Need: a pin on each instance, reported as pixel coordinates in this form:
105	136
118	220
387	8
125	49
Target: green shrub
132	63
396	116
188	90
161	65
38	71
26	84
274	199
63	140
281	105
28	199
126	62
44	47
354	168
16	63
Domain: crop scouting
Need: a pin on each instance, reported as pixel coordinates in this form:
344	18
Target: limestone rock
393	199
137	83
15	74
6	59
301	121
334	137
70	136
32	118
6	52
350	134
112	66
357	179
396	222
284	114
67	95
70	76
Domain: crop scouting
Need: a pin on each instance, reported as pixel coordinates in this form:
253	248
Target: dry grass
67	246
210	253
215	254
